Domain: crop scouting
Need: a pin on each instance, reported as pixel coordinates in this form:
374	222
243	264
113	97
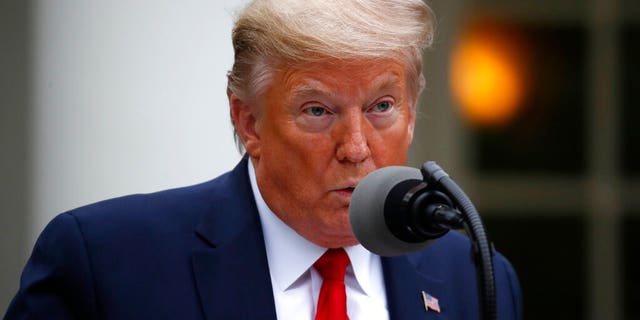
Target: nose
353	146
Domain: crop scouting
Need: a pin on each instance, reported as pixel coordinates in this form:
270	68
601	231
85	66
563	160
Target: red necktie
332	302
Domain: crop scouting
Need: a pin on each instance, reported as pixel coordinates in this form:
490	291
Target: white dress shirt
296	285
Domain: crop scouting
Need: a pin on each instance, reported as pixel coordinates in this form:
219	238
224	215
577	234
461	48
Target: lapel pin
430	302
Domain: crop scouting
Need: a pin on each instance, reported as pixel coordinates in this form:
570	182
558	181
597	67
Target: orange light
486	80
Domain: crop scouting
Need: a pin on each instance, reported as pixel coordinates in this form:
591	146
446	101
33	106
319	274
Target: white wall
128	97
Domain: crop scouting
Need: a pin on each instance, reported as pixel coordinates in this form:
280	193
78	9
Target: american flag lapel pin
430	302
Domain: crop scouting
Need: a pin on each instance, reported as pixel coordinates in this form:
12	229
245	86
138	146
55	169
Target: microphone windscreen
366	211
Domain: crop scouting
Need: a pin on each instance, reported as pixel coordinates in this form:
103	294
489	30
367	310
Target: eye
382	106
315	117
384	112
316	111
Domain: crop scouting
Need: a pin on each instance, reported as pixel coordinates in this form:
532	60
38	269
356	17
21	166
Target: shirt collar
290	255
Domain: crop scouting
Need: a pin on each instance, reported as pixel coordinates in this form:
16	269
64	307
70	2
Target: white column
128	97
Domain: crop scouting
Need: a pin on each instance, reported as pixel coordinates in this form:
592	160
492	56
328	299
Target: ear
245	119
411	124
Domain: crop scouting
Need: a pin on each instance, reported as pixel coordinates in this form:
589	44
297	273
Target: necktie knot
333	265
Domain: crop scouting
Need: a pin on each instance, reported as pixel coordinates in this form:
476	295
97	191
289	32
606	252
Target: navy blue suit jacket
198	253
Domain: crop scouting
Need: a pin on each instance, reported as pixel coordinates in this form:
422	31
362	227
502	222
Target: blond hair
272	33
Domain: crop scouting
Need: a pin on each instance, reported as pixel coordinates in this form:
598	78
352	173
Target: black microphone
393	211
398	210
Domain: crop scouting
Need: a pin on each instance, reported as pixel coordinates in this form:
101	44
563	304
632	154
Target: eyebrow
308	89
390	81
387	83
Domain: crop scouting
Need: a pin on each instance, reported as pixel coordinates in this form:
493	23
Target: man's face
321	128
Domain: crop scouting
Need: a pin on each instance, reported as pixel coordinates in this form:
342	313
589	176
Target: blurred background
529	106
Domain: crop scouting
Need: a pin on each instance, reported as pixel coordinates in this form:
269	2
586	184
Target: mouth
348	189
346	192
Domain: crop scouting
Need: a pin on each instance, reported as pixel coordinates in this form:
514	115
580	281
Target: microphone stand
482	251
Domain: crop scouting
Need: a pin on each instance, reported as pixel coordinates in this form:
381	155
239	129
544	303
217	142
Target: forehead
341	75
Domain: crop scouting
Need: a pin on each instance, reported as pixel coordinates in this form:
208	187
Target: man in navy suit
321	94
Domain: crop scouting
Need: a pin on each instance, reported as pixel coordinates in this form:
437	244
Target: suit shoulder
184	204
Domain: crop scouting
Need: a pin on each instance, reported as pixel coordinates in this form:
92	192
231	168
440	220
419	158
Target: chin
343	238
336	242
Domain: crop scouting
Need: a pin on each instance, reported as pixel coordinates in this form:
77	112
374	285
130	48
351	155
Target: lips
347	185
348	190
344	195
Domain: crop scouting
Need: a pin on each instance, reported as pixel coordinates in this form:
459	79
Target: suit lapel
233	283
232	276
404	285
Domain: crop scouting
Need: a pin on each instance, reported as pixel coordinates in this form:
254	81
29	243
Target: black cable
481	247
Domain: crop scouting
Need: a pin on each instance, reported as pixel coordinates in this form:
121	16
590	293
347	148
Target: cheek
390	146
298	156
